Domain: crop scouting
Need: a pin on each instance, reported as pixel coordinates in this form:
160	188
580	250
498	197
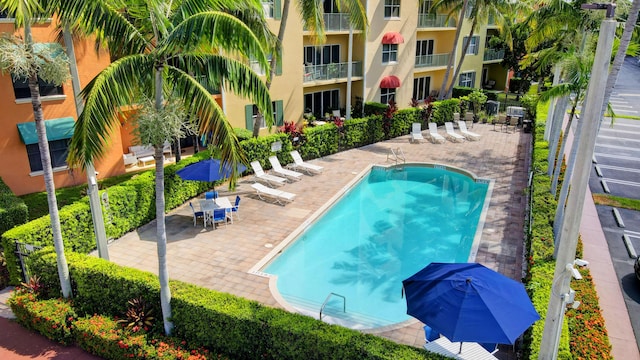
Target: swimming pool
390	224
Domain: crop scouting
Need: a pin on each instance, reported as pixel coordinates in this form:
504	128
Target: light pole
566	250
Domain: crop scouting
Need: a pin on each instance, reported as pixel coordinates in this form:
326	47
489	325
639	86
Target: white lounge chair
279	196
299	164
466	133
451	134
416	133
259	174
289	174
433	134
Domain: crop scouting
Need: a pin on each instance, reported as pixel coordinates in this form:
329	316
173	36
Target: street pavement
617	172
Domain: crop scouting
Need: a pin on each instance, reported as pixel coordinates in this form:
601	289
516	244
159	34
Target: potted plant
477	99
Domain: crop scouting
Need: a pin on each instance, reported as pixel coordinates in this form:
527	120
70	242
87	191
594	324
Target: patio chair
277	168
299	164
429	334
210	195
492	348
433	134
279	196
235	208
500	120
513	122
219	216
451	134
259	174
466	133
196	214
416	133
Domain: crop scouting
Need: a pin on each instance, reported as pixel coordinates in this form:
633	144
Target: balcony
331	71
336	22
493	55
435	21
433	60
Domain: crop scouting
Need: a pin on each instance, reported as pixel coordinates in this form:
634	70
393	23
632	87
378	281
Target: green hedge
240	328
374	108
443	110
51	318
13	211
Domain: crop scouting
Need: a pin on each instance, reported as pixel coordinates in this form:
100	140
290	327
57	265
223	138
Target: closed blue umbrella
208	170
469	302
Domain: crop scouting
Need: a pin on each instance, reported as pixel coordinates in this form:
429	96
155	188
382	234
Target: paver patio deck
220	259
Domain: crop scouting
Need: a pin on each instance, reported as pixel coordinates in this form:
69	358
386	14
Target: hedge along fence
443	110
237	327
13	211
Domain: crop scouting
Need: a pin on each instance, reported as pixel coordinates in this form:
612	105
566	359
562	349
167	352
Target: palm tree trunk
161	231
445	80
558	164
629	26
464	53
45	158
274	60
558	116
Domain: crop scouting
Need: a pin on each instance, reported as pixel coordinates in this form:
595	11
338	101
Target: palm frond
114	88
312	14
211	120
215	30
357	13
23	11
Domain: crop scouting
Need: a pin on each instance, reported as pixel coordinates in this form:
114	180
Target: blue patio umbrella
468	302
207	170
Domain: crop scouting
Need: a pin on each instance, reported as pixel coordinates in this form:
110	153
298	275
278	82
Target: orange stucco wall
14	164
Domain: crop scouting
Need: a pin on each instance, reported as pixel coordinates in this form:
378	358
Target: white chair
300	164
466	133
336	115
196	215
279	196
129	159
433	134
416	133
451	134
259	174
289	174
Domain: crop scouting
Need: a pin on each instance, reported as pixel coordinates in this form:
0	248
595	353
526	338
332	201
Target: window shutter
248	116
277	10
279	113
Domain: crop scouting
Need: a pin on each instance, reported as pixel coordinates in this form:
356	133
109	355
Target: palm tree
169	53
312	13
21	59
481	12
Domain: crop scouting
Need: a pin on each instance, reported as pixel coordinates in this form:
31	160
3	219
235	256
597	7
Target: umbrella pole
460	352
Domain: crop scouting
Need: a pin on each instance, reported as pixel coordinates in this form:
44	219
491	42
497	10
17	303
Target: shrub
443	110
460	91
13	211
52	318
374	108
243	134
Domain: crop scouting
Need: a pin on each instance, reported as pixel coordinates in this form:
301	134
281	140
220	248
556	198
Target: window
318	55
21	88
467	79
424	50
322	102
330	7
468	10
387	95
389	53
421	88
425	7
251	113
58	151
267	8
473	45
391	8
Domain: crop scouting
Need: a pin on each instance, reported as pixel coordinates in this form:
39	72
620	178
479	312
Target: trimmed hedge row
240	328
13	211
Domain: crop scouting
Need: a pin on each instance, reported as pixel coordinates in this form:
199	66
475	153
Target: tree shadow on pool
392	254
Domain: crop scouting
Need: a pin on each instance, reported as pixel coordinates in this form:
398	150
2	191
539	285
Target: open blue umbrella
207	170
469	302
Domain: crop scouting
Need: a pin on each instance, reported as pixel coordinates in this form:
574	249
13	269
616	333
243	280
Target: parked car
636	267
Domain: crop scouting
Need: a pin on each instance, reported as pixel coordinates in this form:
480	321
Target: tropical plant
168	54
387	117
32	286
477	99
139	315
22	59
312	14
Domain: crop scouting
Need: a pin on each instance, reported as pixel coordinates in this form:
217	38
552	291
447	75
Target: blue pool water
387	227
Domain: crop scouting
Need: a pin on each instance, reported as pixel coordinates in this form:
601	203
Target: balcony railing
493	54
434	21
432	60
336	22
331	71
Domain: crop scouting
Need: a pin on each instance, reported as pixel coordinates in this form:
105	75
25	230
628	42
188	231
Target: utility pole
92	183
561	294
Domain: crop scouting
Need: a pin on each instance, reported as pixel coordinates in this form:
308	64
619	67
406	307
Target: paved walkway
221	259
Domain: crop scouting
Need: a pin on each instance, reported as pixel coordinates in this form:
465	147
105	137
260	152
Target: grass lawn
616	201
37	202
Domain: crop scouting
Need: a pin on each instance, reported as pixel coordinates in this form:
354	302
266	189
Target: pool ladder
344	302
396	155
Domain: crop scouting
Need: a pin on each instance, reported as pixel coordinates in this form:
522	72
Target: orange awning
390	82
392	37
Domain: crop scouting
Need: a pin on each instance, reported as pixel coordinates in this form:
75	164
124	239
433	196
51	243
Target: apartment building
20	166
403	56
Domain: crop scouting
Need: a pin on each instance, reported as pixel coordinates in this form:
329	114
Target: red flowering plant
392	108
52	318
294	131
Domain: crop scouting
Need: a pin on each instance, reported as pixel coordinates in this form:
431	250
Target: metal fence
22	252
